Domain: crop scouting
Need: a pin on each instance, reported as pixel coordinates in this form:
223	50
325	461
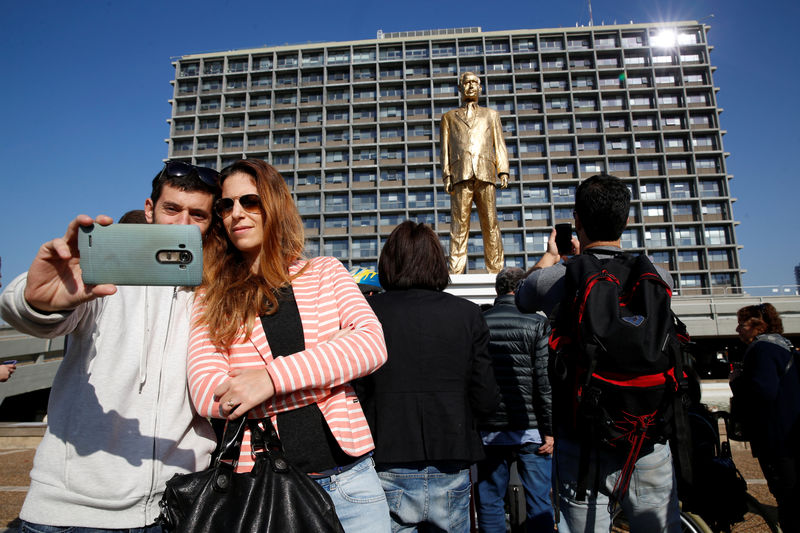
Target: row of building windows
671	140
563	122
635	77
511	127
524	80
680	235
528	196
689	260
662	42
530	215
553	146
529	242
580	101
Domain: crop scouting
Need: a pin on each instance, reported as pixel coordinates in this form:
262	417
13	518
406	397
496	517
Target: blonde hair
233	295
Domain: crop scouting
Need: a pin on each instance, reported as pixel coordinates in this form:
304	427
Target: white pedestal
477	288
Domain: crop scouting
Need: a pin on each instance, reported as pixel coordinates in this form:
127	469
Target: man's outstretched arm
54	280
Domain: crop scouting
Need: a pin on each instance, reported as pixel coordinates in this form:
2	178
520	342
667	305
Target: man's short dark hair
188	183
602	203
507	280
413	258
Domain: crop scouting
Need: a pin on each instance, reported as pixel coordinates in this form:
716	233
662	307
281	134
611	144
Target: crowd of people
386	402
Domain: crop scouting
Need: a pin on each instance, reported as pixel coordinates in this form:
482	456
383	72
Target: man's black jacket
518	347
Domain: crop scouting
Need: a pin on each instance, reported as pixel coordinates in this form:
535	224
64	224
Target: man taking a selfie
120	422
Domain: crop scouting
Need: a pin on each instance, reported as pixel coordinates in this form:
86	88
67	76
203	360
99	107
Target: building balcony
364	230
644	173
335	231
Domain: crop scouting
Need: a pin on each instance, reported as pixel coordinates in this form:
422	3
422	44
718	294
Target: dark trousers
783	479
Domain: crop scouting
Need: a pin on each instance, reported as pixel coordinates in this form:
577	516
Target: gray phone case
141	254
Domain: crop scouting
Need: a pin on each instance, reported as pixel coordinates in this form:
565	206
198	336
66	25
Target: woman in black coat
768	389
423	404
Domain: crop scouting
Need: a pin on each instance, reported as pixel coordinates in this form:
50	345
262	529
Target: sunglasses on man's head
249	202
179	169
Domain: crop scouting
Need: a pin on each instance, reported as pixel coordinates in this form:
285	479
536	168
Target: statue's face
470	87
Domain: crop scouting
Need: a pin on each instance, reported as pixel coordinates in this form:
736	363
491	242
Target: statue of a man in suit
474	156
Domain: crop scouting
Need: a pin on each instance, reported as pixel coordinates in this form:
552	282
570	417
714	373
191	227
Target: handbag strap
267	440
231	441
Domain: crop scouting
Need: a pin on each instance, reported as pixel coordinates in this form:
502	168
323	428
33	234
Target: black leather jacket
518	347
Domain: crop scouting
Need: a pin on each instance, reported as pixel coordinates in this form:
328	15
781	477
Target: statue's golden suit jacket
474	147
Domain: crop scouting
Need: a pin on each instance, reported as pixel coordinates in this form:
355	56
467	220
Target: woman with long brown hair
768	389
281	336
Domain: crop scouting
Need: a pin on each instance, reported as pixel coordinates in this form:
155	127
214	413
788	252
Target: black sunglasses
249	202
179	169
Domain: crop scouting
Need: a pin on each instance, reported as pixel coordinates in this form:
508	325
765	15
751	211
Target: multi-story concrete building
353	127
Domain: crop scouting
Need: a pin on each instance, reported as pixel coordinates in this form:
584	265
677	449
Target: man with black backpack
615	369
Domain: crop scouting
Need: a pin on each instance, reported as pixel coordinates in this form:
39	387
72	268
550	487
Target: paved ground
15	464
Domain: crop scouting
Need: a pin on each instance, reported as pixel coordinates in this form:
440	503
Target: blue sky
86	84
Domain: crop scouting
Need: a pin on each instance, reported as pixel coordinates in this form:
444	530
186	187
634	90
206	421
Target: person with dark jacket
602	204
768	388
521	428
424	404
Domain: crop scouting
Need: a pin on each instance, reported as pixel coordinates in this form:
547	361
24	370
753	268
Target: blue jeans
437	497
358	498
650	504
493	476
28	527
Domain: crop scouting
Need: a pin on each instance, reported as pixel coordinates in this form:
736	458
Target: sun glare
665	38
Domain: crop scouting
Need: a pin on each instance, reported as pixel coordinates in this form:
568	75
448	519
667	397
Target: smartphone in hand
564	238
141	254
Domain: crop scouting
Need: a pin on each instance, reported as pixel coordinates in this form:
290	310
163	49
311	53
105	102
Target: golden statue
474	155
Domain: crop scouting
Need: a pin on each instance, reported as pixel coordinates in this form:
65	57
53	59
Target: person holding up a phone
120	422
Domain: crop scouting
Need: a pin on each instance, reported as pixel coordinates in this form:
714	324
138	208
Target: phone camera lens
185	257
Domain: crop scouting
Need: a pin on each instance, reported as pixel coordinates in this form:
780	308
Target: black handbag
735	425
275	496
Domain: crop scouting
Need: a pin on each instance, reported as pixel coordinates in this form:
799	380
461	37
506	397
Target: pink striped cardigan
328	300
